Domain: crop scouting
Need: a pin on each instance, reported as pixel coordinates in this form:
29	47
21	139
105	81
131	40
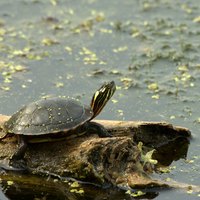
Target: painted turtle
57	118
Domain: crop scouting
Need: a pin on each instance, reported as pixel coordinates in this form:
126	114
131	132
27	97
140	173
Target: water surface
69	48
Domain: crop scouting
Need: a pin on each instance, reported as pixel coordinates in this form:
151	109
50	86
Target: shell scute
49	116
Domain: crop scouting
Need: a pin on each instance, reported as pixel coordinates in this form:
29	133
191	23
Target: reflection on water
34	188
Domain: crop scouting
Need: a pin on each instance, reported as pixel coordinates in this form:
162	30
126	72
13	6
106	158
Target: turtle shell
48	116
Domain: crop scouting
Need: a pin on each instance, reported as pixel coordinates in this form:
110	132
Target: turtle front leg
17	160
99	129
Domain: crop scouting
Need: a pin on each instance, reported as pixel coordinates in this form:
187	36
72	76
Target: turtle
52	119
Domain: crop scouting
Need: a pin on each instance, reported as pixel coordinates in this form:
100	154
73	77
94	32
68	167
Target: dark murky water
150	48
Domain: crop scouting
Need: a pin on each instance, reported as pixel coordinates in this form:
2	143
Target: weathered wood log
116	160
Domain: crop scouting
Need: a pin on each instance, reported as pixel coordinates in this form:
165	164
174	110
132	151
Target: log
114	160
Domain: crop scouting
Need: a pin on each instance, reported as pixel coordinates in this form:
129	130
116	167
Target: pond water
150	48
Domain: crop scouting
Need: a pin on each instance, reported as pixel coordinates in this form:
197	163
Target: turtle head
101	97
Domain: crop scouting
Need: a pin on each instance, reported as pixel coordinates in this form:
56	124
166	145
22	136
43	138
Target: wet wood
115	160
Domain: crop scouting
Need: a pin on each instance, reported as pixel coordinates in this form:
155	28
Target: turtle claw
13	165
18	165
